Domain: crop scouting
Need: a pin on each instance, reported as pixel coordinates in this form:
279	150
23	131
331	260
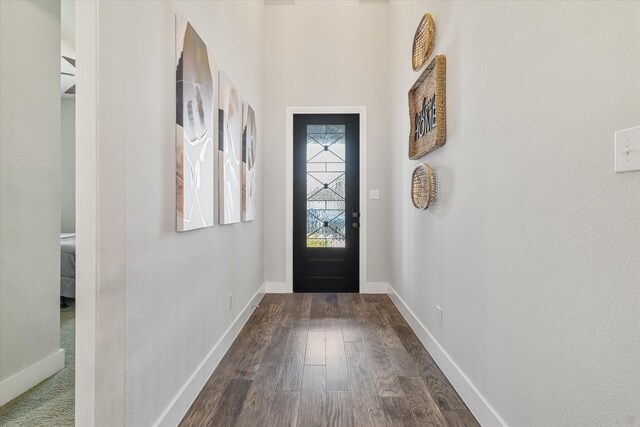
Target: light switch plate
374	194
628	150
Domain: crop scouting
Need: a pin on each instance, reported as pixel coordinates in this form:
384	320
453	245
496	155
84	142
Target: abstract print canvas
195	130
229	150
249	140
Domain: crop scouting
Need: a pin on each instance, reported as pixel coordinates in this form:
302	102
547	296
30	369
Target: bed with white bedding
68	265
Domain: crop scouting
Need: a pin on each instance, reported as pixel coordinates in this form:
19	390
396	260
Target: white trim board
375	288
276	288
180	404
362	112
87	304
483	411
22	381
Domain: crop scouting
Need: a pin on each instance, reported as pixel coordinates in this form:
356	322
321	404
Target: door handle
355	215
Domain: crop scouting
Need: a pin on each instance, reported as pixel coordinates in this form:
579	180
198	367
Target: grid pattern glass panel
325	186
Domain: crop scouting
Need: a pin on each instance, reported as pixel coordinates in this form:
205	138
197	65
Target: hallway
327	360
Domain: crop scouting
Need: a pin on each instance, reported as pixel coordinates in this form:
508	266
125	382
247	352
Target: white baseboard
375	288
483	411
17	384
277	288
173	414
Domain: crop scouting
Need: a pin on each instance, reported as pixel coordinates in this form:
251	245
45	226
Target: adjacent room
319	213
38	289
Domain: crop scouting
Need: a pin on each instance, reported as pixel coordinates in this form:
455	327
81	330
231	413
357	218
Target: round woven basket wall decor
422	186
423	41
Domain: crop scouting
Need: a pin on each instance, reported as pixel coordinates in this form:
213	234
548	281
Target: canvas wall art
229	150
249	141
195	130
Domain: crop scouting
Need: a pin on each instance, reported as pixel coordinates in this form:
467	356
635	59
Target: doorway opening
38	287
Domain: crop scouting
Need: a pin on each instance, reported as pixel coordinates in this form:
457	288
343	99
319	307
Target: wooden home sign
427	108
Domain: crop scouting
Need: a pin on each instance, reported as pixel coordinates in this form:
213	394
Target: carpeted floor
50	403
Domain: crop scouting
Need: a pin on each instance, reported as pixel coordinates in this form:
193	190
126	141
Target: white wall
535	257
326	54
29	193
68	172
176	283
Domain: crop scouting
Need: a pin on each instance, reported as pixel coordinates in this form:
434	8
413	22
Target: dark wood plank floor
327	360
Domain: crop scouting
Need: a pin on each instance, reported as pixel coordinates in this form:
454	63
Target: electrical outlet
439	315
229	302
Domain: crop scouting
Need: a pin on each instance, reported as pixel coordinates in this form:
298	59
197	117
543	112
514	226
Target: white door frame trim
362	112
86	212
100	223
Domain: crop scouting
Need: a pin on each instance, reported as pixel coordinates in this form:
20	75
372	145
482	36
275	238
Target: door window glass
325	186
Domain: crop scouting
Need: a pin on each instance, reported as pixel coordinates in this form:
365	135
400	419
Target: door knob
355	225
